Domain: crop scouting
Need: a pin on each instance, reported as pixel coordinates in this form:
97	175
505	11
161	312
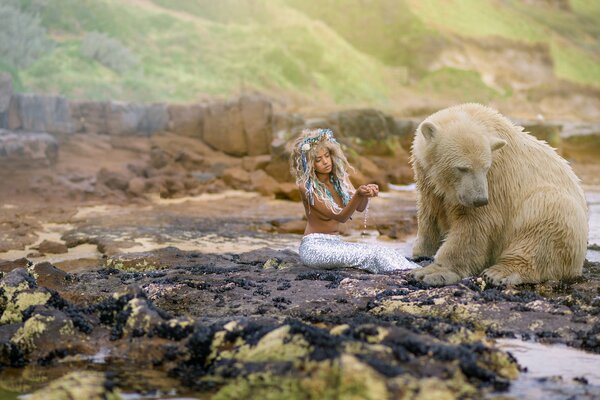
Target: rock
371	172
239	127
186	119
137	186
142	318
47	275
113	180
581	142
547	131
6	92
263	183
77	385
236	178
28	149
159	158
405	131
253	163
288	191
398	229
256	116
132	119
224	128
16	280
7	266
279	167
50	247
286	125
90	116
397	169
366	124
21	300
13	117
38	113
294	226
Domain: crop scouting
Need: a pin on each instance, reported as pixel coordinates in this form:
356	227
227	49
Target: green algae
30	331
273	263
9	291
14	309
77	385
277	345
458	313
344	378
502	364
455	387
132	265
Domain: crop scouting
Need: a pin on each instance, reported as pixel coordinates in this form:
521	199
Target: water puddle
50	232
217	244
553	371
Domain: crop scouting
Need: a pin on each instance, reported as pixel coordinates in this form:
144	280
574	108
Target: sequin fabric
320	250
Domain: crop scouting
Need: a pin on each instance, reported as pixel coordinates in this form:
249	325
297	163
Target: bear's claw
436	275
499	275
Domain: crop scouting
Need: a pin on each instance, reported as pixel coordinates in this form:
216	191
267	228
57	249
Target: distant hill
349	52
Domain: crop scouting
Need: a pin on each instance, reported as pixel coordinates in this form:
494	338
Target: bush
22	38
108	51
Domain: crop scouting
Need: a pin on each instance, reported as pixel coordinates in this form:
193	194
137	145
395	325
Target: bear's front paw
499	275
420	249
436	275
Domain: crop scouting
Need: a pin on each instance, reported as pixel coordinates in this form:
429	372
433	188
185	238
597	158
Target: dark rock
186	119
38	113
256	116
132	119
50	247
6	92
28	149
47	275
112	179
7	266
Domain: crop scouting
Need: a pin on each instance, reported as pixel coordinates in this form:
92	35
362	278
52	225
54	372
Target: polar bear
493	199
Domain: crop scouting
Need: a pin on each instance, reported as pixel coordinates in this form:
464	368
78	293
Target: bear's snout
480	201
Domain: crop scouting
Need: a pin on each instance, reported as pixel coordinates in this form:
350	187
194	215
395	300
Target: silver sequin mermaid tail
330	251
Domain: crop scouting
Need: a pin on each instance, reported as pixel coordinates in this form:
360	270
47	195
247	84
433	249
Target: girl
320	169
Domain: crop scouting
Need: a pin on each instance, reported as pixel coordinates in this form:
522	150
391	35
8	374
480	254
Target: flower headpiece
322	134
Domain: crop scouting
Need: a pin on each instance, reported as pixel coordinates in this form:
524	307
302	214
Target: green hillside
349	51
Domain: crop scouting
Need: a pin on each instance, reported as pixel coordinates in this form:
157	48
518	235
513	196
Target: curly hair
302	166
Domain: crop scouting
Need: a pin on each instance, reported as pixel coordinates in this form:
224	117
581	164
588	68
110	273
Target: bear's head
456	155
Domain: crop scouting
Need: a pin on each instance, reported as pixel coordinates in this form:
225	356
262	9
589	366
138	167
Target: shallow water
552	370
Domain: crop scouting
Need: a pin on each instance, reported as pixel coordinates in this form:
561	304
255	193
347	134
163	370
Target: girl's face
323	161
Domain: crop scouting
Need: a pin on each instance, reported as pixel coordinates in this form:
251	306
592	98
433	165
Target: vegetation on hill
349	51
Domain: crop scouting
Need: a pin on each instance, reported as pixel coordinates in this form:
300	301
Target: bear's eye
463	170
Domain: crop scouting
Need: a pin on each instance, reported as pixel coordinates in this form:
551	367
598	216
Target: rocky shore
257	323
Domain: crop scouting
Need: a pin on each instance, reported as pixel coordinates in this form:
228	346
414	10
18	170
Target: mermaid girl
321	172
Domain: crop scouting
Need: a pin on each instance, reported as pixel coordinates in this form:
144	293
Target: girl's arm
360	195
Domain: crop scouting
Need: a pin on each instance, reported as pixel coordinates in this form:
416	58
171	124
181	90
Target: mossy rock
80	385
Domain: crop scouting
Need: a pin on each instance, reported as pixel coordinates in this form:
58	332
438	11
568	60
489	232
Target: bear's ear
497	143
428	129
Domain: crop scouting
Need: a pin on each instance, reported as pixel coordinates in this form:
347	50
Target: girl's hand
374	189
364	190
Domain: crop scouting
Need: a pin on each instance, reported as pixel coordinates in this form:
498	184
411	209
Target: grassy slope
573	37
181	57
190	47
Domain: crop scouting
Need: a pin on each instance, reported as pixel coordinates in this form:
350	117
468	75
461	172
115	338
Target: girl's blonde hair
302	164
